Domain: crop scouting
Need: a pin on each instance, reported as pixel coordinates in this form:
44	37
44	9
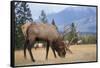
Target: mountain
83	17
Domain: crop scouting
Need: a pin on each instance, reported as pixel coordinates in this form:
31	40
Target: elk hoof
33	60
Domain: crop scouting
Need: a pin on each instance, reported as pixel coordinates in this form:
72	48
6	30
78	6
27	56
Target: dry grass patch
81	53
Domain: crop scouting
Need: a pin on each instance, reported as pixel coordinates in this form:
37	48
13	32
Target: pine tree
72	33
43	17
22	15
53	22
22	12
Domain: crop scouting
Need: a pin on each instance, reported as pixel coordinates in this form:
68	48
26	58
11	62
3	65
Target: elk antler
71	42
68	45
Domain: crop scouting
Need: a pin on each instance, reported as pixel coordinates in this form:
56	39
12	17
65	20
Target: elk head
59	47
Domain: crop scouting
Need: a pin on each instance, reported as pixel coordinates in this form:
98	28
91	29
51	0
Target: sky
48	8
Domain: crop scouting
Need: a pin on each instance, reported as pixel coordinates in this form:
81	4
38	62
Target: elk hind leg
30	51
25	46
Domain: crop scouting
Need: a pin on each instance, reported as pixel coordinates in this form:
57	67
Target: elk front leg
47	49
54	51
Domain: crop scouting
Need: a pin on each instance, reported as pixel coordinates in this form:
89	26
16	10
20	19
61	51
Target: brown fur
46	32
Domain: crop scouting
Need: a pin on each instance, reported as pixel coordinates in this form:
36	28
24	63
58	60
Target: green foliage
19	37
43	17
72	33
22	12
88	39
22	15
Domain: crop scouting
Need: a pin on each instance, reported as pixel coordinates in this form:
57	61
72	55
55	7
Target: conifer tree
43	17
22	15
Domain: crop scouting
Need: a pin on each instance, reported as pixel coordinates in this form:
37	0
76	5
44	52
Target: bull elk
46	32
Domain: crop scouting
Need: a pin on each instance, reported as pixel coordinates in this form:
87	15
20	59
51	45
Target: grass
81	53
